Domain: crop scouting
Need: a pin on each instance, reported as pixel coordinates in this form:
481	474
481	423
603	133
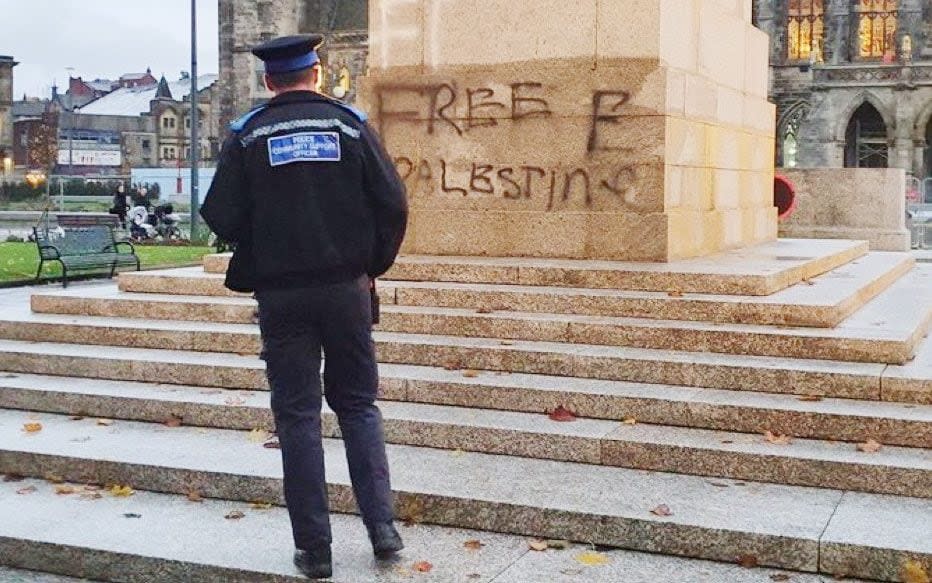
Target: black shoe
385	540
315	564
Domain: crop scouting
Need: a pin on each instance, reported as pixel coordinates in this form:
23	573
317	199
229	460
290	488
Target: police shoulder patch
238	124
304	147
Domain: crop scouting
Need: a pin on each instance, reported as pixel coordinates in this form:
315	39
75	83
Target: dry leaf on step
423	566
259	435
592	559
630	421
260	505
105	422
558	544
870	446
470	374
811	398
172	421
675	294
484	311
272	443
473	544
195	496
562	414
64	489
234	515
747	561
537	545
26	490
121	491
776	438
32	427
914	572
662	510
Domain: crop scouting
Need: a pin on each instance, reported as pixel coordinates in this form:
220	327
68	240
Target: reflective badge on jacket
304	147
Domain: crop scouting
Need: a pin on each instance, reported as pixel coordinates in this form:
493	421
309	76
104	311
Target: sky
103	39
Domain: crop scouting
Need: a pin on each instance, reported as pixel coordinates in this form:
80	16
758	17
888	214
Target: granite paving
53	531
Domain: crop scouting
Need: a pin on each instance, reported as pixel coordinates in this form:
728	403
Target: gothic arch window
788	137
805	29
866	139
877	29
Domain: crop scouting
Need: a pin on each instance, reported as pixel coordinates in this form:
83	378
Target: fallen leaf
32	427
675	294
259	435
260	505
473	544
77	417
64	489
507	343
172	421
630	421
105	422
779	577
121	491
195	496
776	438
272	443
470	374
54	479
592	559
13	478
91	495
26	490
423	566
871	446
484	311
558	544
662	510
537	545
562	414
234	515
132	515
747	561
811	398
234	401
914	572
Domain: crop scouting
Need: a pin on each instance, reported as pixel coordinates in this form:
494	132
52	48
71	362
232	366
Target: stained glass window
805	29
877	29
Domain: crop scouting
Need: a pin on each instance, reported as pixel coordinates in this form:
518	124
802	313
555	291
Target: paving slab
893	470
552	499
911	381
758	270
887	329
875	536
823	301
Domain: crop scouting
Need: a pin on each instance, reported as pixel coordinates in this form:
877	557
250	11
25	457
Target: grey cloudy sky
103	38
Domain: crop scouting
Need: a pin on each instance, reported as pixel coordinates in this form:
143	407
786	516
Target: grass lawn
18	261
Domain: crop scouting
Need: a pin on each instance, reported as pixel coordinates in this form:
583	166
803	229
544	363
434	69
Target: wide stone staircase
771	407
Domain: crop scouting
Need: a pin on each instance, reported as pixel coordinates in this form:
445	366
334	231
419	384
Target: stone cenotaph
593	129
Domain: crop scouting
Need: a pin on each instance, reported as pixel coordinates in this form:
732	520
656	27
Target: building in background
6	115
245	23
852	80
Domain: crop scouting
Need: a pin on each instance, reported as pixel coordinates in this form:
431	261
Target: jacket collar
298	97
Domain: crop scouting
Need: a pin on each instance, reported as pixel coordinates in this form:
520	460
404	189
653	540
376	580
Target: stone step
734	372
806	529
824	301
741	411
717	454
887	329
760	270
257	547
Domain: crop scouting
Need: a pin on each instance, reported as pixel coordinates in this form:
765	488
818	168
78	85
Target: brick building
6	114
245	23
852	80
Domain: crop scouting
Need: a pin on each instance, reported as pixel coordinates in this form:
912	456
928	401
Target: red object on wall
784	196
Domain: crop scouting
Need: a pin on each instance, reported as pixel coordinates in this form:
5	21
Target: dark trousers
296	324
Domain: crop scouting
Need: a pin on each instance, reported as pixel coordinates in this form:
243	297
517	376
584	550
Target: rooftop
133	101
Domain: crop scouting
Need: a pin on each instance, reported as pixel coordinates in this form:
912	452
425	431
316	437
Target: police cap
289	53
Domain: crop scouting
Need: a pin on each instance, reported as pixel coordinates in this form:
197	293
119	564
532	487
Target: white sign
89	157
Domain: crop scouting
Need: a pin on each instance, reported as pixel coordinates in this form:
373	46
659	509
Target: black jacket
308	194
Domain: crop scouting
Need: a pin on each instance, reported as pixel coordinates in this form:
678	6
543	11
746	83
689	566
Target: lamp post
195	134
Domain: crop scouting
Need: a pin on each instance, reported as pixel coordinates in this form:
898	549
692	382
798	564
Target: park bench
83	248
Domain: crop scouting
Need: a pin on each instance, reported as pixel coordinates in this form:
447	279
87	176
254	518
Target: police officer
317	211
